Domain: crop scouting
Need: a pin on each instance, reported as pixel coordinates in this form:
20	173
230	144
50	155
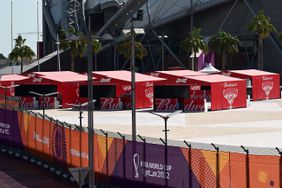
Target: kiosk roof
213	78
251	72
124	75
12	77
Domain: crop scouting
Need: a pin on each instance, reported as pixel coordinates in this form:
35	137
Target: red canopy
125	76
12	78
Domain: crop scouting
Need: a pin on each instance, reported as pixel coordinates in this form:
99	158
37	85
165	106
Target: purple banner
9	128
146	163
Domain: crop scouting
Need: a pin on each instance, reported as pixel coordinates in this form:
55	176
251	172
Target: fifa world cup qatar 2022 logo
230	94
267	86
150	169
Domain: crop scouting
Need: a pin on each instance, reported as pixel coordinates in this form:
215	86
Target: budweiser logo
110	104
226	84
26	103
230	94
181	80
31	75
105	80
194	106
149	84
155	74
77	90
266	78
149	94
126	88
267	86
195	88
49	102
166	104
37	80
196	96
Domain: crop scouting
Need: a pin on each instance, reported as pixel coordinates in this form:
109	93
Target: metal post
280	162
217	166
90	113
132	65
38	66
12	46
43	107
162	56
107	151
58	52
247	167
80	134
5	98
144	154
166	162
190	163
192	15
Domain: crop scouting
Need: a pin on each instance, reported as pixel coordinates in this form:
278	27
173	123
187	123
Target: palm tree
280	36
75	42
263	27
21	51
124	49
224	43
194	43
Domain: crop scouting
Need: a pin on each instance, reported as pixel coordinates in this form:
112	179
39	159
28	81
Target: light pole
43	95
163	37
58	52
12	38
5	92
165	118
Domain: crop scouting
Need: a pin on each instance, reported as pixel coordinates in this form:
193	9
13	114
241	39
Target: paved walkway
16	173
258	125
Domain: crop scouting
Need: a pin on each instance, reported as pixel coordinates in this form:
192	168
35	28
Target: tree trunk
194	61
95	59
21	65
223	61
260	53
72	63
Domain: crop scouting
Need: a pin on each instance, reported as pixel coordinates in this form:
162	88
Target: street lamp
133	31
43	95
165	118
163	37
5	92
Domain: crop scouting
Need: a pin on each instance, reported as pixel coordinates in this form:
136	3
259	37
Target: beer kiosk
223	92
174	92
66	83
113	89
261	85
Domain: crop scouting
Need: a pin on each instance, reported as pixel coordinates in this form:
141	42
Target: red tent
224	92
10	80
174	91
263	85
121	82
65	82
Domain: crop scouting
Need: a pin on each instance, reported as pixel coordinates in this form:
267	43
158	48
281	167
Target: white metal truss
73	11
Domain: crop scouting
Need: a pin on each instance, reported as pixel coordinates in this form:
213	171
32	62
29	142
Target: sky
24	20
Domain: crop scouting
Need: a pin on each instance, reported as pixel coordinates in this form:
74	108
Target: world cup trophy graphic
230	94
267	86
136	161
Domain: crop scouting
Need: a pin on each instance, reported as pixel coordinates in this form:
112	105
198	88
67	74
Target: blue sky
24	20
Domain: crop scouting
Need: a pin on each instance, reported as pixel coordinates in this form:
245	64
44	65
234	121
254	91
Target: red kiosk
223	92
174	91
261	85
66	83
118	84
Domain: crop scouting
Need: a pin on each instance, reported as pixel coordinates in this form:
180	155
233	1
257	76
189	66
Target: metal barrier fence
148	161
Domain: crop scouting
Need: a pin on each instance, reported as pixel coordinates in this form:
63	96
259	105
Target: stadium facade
173	18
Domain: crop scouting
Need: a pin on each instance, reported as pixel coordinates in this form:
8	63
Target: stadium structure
172	18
